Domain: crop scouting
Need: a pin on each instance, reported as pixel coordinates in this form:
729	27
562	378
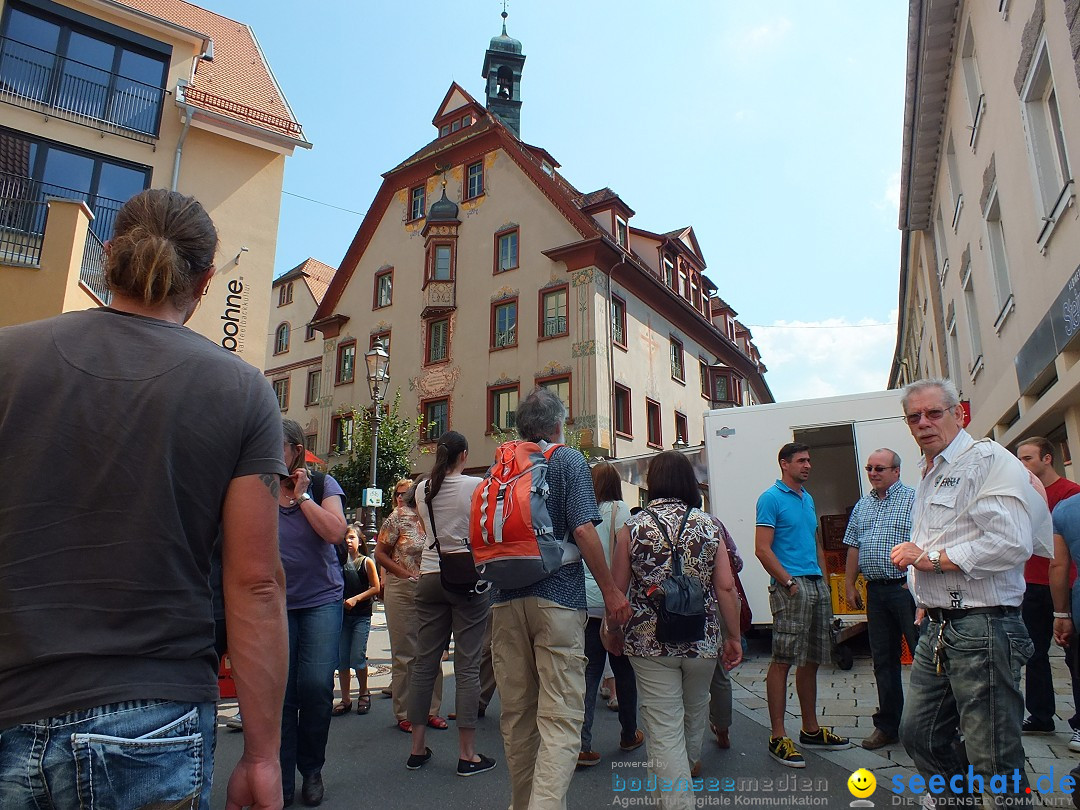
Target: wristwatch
302	498
789	583
935	559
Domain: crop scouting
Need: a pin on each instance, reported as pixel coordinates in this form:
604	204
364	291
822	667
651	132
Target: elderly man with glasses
975	519
880	520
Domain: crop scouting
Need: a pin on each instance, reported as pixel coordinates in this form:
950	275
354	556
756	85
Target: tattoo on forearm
273	483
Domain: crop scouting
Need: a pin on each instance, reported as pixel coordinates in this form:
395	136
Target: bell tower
503	62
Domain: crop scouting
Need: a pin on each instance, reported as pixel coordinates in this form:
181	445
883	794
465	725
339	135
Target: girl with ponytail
444	502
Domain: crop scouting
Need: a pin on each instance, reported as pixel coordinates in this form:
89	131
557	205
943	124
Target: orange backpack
510	530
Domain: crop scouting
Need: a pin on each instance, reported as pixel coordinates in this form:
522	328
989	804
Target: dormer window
622	233
669	272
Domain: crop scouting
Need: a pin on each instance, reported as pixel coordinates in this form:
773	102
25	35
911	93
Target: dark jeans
140	753
314	634
978	689
1038	612
890	616
625	686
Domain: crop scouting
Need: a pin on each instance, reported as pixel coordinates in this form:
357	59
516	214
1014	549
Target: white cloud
890	198
808	359
751	41
767	34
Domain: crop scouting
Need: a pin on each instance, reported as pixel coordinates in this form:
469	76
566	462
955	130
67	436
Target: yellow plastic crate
839	601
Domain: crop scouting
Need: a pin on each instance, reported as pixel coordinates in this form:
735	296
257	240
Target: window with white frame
508	251
999	264
504	325
554	306
954	182
678	370
314	387
940	248
281	391
281	339
503	403
384	288
972	308
972	83
1045	133
474	183
417	202
622	233
953	347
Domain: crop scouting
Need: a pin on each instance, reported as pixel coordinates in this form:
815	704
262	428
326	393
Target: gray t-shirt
119	436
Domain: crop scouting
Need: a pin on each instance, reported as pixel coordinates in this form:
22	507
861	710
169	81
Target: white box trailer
741	446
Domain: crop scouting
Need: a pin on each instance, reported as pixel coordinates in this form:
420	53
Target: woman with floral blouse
673	678
398	551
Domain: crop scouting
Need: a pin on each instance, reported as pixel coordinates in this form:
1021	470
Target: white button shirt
988	537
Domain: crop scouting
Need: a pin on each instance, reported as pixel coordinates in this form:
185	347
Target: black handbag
457	571
679	601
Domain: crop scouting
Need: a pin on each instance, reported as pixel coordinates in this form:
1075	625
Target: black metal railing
92	270
34	77
24	209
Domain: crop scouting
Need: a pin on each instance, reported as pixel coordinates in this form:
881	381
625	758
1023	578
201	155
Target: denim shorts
352	649
132	754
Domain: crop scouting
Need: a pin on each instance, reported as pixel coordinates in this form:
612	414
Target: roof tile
238	75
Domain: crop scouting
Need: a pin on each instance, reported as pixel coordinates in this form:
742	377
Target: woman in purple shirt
307	530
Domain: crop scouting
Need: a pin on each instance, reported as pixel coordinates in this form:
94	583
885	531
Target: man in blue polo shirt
786	544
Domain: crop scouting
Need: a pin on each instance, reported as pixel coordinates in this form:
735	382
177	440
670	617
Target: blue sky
775	129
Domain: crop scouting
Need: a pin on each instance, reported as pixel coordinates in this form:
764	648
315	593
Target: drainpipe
188	111
611	359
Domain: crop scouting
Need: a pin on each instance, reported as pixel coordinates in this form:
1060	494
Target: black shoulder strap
676	558
428	498
318	485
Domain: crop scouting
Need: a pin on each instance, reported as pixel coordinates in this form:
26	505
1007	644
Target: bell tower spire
503	63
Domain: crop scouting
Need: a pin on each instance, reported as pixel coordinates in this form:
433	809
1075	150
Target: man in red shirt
1037	454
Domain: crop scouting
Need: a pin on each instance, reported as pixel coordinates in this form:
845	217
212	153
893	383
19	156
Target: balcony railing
92	271
505	338
24	209
617	334
42	80
554	325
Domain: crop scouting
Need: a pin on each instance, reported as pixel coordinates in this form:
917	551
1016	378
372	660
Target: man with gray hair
974	522
880	520
538	632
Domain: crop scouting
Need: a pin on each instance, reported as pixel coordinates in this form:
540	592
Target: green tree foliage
397	451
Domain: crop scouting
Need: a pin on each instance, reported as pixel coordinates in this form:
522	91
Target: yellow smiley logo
861	783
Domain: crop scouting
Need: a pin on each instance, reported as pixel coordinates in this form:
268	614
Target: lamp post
378	376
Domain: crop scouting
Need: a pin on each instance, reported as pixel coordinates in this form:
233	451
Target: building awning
634	469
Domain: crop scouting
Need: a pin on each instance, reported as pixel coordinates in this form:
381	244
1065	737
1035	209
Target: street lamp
378	376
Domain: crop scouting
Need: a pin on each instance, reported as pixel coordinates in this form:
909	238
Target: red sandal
434	721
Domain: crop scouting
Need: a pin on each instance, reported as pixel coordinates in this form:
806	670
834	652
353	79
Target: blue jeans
890	617
132	754
978	690
352	649
309	694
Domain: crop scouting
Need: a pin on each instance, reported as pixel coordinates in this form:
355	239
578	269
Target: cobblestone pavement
846	700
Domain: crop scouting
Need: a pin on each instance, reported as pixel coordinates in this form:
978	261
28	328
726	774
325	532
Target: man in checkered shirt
882	519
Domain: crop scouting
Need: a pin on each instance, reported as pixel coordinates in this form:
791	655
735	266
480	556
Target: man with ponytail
127	440
538	632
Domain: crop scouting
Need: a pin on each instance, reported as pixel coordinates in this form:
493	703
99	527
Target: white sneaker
1074	743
